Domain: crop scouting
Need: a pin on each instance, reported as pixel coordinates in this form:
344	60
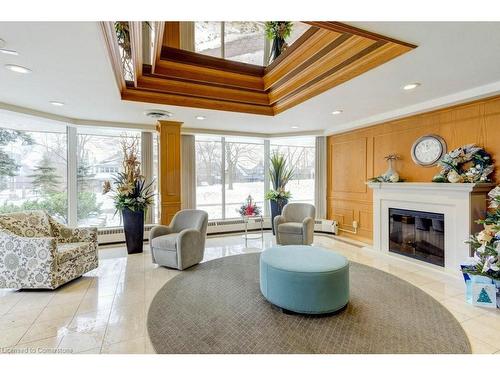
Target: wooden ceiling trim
189	88
345	51
328	54
343	64
306	37
315	46
344	28
209	75
378	56
147	96
109	35
197	59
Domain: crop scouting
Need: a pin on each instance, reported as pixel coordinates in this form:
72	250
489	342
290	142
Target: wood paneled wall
355	156
170	169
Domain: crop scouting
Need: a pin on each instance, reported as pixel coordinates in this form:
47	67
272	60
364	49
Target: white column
188	171
320	177
72	166
267	180
147	166
223	176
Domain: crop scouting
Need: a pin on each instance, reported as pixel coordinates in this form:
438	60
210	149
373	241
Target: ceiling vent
158	114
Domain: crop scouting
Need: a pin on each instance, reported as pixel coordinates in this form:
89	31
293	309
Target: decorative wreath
468	163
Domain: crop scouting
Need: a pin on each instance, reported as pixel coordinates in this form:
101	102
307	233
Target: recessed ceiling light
411	86
57	104
9	51
337	112
295	127
17	68
201	118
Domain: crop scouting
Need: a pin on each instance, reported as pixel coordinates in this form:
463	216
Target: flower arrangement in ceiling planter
486	244
277	32
132	195
280	174
468	163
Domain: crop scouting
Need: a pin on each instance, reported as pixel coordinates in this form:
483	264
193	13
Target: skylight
237	40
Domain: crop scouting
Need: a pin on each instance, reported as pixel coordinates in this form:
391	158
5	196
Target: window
35	157
244	42
33	165
99	156
242	159
209	176
244	173
300	152
208	38
238	40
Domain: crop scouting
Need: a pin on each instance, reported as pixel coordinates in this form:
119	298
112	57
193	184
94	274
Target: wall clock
427	150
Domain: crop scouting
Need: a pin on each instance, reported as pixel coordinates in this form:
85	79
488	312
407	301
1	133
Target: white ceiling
454	62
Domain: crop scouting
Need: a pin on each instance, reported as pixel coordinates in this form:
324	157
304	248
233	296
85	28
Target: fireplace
417	234
460	204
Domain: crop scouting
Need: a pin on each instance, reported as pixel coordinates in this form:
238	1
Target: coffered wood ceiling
326	55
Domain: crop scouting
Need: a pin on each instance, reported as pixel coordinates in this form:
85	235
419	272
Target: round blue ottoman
304	279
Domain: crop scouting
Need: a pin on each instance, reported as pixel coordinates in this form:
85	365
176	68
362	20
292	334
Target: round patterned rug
217	307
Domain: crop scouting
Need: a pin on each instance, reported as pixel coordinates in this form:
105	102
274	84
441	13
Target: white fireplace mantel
461	204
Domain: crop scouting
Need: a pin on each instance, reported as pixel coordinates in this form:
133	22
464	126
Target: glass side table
248	236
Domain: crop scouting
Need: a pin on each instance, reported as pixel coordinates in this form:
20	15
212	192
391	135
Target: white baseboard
117	235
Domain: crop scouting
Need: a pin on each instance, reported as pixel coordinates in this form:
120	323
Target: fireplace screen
417	234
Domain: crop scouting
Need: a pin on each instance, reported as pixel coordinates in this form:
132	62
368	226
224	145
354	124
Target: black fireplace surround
417	234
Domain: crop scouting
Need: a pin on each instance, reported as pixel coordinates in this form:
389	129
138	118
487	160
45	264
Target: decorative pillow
27	223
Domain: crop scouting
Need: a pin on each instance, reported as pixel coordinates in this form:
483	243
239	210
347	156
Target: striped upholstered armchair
37	252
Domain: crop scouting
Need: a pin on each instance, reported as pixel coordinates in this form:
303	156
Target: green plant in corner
280	174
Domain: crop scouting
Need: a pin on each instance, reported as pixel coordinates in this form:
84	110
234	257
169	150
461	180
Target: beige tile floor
105	311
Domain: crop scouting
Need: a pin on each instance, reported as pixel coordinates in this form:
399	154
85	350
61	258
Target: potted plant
280	173
277	32
132	195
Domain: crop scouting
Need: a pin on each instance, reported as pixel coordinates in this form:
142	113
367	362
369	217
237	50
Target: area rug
217	307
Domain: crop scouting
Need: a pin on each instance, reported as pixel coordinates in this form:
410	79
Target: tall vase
133	225
276	209
391	173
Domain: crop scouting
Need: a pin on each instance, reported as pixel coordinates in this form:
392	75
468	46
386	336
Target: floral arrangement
390	175
129	187
278	29
486	244
249	208
468	163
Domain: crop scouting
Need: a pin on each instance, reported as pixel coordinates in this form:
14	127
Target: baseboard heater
116	235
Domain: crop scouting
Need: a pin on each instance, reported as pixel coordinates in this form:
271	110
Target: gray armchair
181	244
295	226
